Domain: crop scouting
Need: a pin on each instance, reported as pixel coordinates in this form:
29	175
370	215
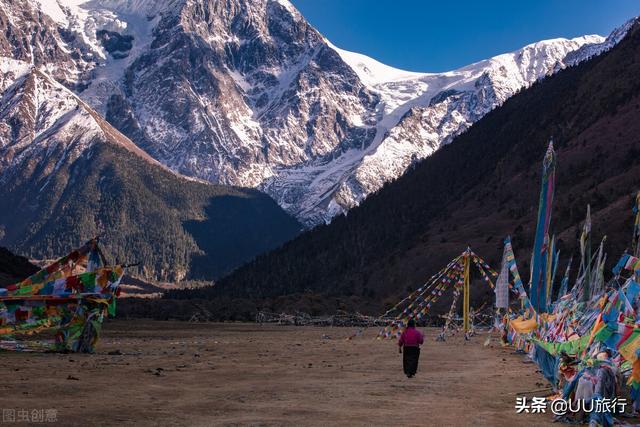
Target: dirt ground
171	373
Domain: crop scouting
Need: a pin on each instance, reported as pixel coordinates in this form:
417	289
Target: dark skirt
410	356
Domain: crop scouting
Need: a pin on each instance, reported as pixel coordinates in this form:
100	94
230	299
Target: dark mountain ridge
14	268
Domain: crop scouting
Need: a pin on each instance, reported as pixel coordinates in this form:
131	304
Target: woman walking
410	342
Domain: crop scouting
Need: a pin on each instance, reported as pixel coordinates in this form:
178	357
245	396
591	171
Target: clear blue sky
440	35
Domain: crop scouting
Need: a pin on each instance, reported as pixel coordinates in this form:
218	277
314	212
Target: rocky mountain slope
67	175
481	187
246	92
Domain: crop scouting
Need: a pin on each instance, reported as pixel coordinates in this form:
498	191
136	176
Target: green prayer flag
570	347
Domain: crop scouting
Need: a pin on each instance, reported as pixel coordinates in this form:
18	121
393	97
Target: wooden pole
587	277
465	309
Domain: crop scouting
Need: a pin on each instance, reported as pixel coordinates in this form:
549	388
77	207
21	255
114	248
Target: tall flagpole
465	303
635	242
538	283
586	243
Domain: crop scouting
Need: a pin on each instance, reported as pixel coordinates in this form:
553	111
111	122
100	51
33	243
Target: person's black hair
411	323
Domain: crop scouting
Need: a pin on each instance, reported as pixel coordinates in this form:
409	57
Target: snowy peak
530	62
39	117
592	49
372	72
423	111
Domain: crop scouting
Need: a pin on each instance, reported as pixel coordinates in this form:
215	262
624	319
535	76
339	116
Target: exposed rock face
246	92
115	43
32	36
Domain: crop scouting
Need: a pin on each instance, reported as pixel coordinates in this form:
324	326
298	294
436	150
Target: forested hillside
176	228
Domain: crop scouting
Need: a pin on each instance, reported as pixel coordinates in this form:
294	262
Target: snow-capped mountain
421	112
43	125
66	174
246	92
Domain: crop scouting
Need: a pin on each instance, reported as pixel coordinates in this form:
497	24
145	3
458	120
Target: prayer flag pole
465	309
551	257
585	242
538	283
635	243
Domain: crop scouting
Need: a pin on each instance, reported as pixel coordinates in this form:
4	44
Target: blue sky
441	35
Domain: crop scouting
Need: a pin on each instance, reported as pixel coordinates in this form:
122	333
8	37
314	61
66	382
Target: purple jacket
411	337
